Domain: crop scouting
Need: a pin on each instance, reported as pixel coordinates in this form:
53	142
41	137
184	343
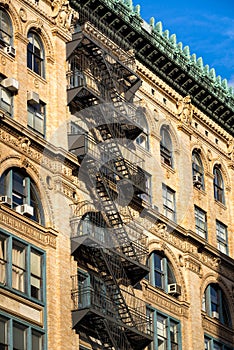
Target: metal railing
96	295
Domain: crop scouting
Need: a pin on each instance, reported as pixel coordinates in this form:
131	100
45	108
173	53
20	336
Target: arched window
35	54
19	191
198	171
143	139
161	273
218	185
215	304
166	146
6	29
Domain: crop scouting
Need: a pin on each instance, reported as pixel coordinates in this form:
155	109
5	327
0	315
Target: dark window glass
35	54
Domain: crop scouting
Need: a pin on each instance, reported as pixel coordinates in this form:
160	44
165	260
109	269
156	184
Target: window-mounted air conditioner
25	209
33	97
197	180
10	50
215	314
10	84
6	200
174	289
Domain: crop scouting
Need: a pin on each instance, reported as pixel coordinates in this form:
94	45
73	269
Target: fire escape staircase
119	265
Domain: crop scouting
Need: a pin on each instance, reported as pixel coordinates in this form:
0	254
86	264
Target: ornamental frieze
30	231
217	330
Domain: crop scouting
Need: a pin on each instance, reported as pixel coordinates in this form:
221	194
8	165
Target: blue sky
207	27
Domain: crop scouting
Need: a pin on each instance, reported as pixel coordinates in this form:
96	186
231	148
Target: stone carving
185	110
230	148
63	13
23	15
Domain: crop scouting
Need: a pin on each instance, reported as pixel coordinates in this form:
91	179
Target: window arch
218	185
198	171
35	54
6	29
143	139
166	149
215	304
19	191
161	273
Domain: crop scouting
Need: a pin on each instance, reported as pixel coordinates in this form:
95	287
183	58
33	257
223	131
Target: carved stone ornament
23	15
185	110
63	13
230	148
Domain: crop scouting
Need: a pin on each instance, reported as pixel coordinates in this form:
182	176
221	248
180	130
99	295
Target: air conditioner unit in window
174	289
6	200
215	314
33	97
197	180
10	50
10	84
25	209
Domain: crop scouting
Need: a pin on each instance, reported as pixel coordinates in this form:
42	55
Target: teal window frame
200	222
154	316
9	322
222	237
21	189
29	283
214	300
164	271
169	202
211	343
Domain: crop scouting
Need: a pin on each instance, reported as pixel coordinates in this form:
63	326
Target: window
36	117
169	203
222	241
146	184
215	304
197	169
6	99
17	333
166	147
143	139
26	266
167	334
218	185
6	29
35	54
213	344
200	222
22	194
161	272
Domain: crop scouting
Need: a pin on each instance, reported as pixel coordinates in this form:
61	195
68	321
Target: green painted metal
126	27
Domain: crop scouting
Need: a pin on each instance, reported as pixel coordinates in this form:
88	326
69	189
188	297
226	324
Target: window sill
37	76
221	205
199	190
168	167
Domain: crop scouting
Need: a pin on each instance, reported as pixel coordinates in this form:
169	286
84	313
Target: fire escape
101	88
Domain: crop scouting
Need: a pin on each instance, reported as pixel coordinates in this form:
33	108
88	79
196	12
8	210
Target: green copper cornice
160	52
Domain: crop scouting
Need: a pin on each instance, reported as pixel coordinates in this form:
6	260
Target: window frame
167	209
218	183
166	147
10	34
211	342
33	56
154	315
210	304
202	232
220	240
20	194
10	321
9	109
37	111
165	267
197	168
8	282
